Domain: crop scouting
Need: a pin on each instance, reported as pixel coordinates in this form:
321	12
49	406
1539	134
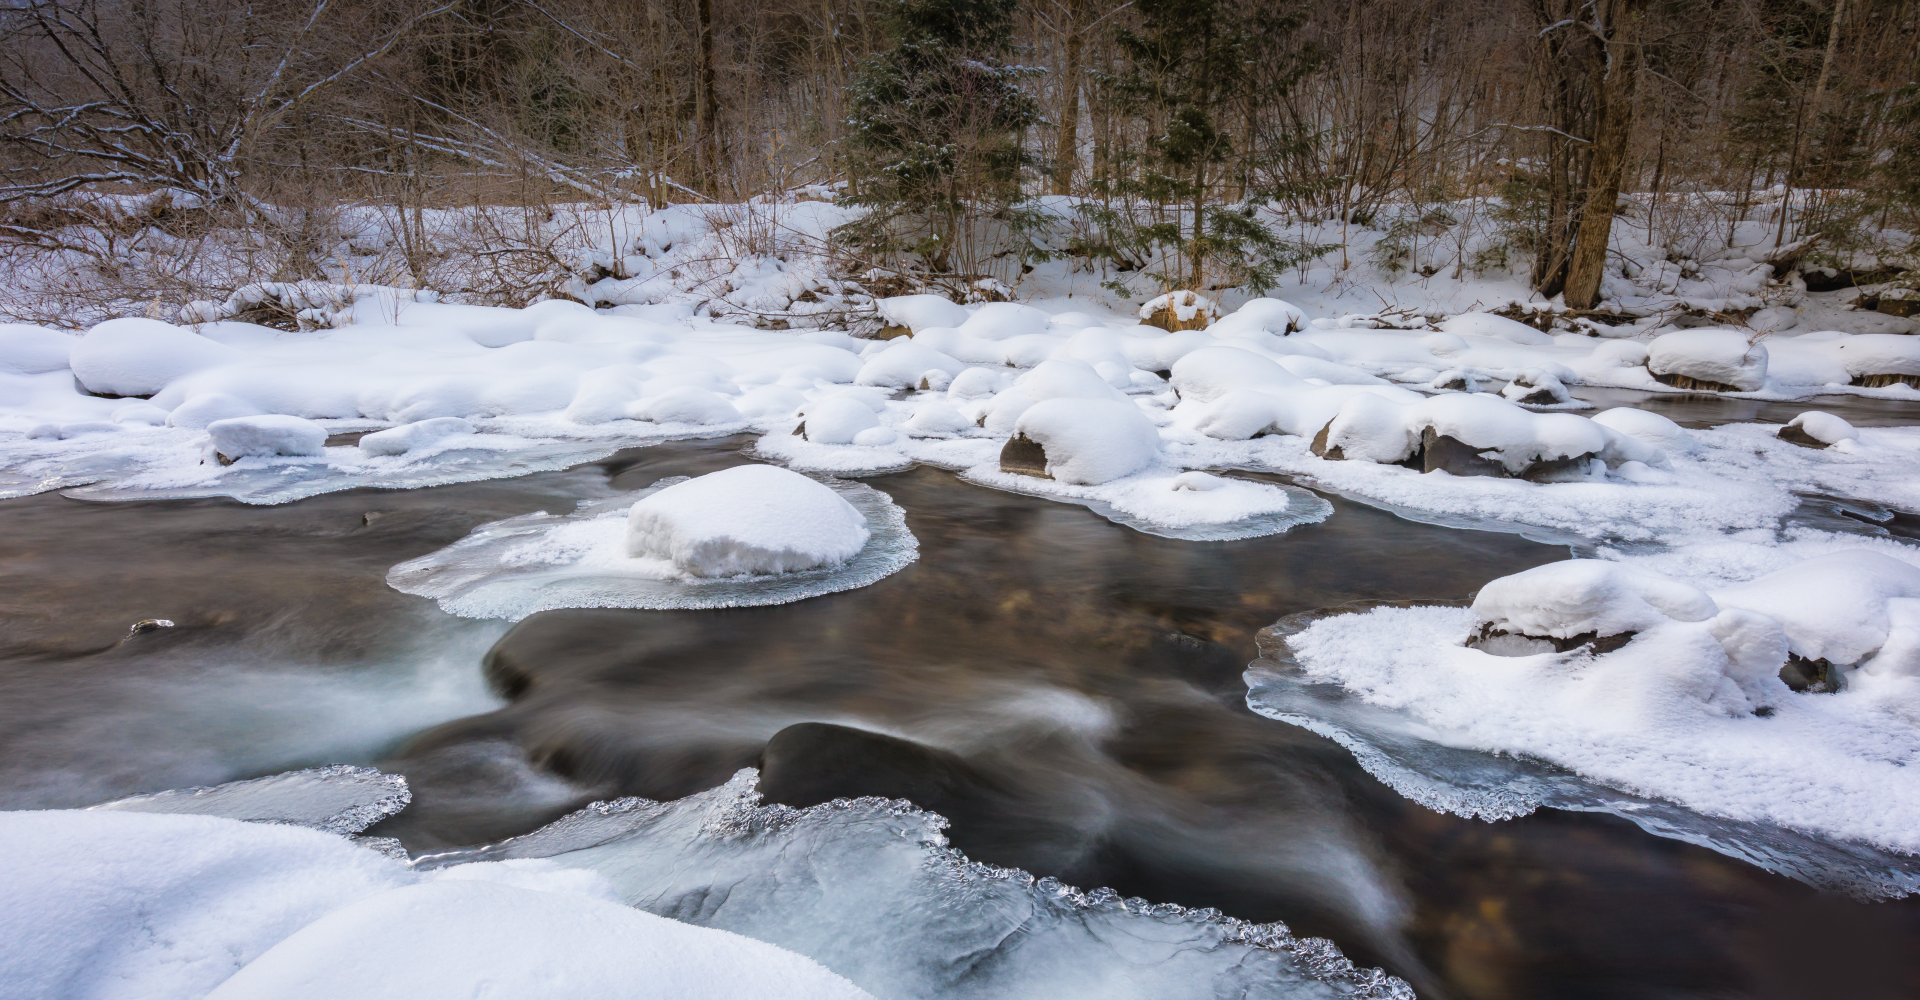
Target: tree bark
1613	127
1067	157
706	127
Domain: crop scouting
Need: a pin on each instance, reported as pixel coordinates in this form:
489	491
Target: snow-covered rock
1834	607
1181	310
266	435
1586	597
1817	429
836	420
1651	428
751	519
1207	374
1708	359
903	364
685	404
1081	441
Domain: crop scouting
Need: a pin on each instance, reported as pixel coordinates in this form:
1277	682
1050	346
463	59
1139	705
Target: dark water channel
1066	690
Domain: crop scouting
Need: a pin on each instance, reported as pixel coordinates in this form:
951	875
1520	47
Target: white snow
1824	427
406	437
1090	441
1690	710
267	435
33	350
108	905
1725	356
751	519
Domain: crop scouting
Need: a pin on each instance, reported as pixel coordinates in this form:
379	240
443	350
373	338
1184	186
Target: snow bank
267	435
920	312
103	905
1481	324
751	519
1689	708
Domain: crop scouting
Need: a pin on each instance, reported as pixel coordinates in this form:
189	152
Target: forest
159	152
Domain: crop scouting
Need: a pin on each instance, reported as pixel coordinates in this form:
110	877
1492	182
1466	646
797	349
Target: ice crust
339	799
870	889
1690	714
538	562
100	905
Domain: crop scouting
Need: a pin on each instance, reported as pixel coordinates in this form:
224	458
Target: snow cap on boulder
756	519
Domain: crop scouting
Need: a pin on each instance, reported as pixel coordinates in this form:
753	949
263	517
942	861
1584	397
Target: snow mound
1589	596
140	357
1480	324
1086	442
747	520
33	350
407	437
459	938
920	312
267	435
1721	357
1819	429
741	541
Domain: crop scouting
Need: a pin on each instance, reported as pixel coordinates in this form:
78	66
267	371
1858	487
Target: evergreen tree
1188	66
934	140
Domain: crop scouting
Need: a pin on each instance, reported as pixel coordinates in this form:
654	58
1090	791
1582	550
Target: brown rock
1800	437
1023	456
1165	317
1690	383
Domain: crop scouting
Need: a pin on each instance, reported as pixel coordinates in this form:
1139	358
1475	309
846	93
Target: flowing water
1066	690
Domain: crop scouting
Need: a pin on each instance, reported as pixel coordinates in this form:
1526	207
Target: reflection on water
1066	689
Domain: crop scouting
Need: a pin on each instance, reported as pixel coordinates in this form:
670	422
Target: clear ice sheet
340	799
486	575
1403	753
870	889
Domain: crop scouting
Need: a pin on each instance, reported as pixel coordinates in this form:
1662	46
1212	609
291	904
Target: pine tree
1188	66
934	142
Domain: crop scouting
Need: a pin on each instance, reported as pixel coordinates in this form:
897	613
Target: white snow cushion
1824	427
1878	354
1833	608
267	434
406	437
1260	316
1577	596
1652	428
903	364
920	312
138	357
685	404
749	519
838	419
1004	320
1211	372
1480	324
1091	441
1722	356
31	350
453	939
204	408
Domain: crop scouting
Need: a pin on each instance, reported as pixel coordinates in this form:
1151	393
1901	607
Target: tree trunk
1613	127
1067	157
706	128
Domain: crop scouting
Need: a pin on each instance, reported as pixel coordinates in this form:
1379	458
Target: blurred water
1073	685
